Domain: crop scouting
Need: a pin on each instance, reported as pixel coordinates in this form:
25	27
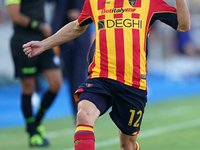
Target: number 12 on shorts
135	124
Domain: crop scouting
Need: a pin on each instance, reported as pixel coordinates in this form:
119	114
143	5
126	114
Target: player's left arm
183	16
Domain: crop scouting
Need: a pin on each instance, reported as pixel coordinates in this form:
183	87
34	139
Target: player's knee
58	85
55	87
28	86
28	90
87	113
84	117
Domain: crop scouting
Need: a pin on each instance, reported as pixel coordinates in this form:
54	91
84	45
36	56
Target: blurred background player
29	23
74	53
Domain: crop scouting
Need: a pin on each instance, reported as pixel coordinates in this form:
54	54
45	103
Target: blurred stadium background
173	67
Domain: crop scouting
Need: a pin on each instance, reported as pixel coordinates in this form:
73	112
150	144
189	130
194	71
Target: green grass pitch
168	125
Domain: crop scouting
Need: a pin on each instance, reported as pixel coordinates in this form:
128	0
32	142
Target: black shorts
27	67
127	102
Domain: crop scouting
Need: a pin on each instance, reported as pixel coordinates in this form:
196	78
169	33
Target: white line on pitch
112	141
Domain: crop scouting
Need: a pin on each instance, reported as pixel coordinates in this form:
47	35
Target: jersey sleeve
86	14
165	13
9	2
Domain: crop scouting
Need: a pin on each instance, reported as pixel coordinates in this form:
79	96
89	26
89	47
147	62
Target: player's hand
46	30
33	48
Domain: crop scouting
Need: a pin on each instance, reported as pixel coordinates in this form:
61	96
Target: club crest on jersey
132	2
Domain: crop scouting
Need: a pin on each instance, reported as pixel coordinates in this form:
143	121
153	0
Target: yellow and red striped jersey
122	28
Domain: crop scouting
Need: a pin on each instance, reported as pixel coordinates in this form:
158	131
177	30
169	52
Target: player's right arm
69	32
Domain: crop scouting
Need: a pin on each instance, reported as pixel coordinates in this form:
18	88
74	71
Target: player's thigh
91	105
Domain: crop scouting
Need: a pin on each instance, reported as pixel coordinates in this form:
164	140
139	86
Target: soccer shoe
41	130
37	141
137	146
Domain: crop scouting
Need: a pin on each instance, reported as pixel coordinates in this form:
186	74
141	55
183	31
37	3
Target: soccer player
118	71
28	22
